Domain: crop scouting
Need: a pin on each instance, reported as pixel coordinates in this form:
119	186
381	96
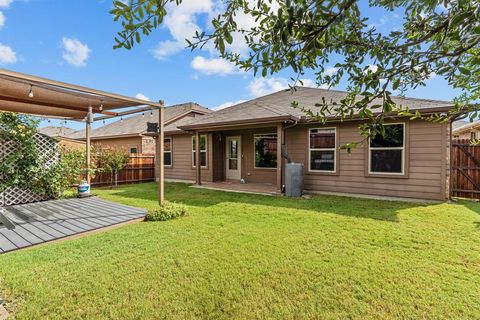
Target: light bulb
151	113
121	119
143	115
30	93
101	107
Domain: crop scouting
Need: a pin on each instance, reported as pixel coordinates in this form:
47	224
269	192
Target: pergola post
198	167
88	129
160	156
279	157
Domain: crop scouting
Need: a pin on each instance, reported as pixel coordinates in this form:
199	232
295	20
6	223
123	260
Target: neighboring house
129	133
466	130
61	134
245	141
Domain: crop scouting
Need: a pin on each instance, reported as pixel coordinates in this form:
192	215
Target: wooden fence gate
465	169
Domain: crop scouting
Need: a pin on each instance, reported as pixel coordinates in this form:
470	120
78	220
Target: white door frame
233	174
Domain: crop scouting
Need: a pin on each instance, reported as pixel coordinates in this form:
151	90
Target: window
386	154
473	135
133	150
167	151
322	149
265	150
203	151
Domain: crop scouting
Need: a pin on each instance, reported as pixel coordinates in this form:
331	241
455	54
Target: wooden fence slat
140	168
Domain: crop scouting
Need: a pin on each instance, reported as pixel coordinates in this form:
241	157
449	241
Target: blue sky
72	41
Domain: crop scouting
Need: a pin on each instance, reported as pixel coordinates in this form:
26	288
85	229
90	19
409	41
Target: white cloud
7	55
228	104
211	66
75	52
5	3
262	86
141	96
330	71
164	49
2	19
371	68
181	23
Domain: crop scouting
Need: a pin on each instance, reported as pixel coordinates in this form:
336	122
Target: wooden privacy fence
465	169
140	168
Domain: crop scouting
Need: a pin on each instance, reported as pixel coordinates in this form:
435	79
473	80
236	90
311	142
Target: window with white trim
387	153
133	150
322	149
265	150
167	152
203	151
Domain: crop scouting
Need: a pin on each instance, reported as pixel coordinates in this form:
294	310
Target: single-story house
252	141
466	130
247	140
129	133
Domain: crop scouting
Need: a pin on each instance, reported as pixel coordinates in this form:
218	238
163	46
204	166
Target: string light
101	105
121	119
143	114
151	113
30	93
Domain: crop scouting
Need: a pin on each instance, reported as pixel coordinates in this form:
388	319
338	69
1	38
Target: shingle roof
53	131
277	106
460	126
137	125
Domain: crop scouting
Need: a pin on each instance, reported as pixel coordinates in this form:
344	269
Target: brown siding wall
182	168
426	163
122	143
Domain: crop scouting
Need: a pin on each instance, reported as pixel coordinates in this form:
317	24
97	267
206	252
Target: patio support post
160	156
88	129
198	166
279	157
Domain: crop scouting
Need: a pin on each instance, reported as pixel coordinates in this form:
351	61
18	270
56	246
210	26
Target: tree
438	37
113	160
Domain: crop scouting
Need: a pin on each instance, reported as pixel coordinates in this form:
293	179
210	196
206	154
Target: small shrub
169	210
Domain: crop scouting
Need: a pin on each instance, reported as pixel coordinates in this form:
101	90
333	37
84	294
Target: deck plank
40	222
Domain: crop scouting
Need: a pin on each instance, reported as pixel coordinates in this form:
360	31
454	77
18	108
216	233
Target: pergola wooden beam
68	86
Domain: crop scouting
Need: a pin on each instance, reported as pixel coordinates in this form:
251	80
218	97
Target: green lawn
246	256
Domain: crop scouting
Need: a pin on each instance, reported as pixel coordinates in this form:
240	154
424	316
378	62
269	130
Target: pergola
27	94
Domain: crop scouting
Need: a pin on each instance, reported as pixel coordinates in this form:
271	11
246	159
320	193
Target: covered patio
27	224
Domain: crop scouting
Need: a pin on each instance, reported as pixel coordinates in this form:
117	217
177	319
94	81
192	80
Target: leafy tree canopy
438	37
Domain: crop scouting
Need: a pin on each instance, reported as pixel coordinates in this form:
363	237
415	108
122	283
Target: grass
247	256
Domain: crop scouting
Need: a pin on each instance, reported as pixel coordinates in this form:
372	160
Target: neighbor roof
466	127
53	131
137	125
277	107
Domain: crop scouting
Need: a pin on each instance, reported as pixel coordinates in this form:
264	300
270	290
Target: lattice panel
48	150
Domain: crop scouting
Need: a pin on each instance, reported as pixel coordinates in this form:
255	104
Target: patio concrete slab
30	224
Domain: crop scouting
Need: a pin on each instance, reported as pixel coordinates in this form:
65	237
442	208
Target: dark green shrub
169	210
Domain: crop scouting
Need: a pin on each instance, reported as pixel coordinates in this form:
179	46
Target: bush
169	210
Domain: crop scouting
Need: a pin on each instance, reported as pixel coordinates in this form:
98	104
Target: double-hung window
322	150
167	152
265	150
387	153
203	151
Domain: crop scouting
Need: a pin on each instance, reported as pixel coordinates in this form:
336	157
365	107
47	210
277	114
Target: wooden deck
30	224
